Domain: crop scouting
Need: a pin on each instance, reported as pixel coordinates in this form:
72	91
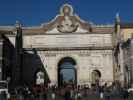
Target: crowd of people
69	92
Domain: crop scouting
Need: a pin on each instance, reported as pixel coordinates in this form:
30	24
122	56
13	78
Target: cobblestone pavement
88	97
84	98
93	97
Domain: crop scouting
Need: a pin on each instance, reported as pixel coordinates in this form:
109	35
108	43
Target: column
1	51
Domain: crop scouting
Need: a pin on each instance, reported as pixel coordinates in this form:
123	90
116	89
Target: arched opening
95	75
66	71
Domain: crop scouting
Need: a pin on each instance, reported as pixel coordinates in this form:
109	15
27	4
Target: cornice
70	48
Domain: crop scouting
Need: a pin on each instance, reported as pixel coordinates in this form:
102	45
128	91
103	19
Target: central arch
67	73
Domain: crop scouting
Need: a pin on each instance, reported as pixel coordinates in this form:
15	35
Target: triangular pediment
66	22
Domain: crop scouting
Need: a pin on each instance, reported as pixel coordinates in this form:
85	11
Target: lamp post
8	80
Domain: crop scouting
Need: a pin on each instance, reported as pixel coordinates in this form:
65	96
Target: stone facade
87	61
91	46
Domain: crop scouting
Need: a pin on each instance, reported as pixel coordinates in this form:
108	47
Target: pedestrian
53	93
3	96
101	91
45	90
79	95
8	96
20	95
107	93
37	96
125	94
53	96
67	94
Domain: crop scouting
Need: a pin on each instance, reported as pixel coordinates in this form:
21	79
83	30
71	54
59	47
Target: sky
36	12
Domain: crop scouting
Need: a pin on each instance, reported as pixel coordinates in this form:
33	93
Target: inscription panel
71	40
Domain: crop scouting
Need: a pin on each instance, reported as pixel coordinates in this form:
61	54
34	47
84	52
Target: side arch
95	76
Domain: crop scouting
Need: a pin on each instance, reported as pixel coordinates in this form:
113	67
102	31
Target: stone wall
87	61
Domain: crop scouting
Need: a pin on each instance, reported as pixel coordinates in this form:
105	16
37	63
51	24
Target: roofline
126	25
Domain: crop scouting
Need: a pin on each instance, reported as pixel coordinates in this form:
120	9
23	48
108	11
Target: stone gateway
70	50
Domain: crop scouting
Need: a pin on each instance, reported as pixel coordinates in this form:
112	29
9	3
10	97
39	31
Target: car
4	88
130	90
